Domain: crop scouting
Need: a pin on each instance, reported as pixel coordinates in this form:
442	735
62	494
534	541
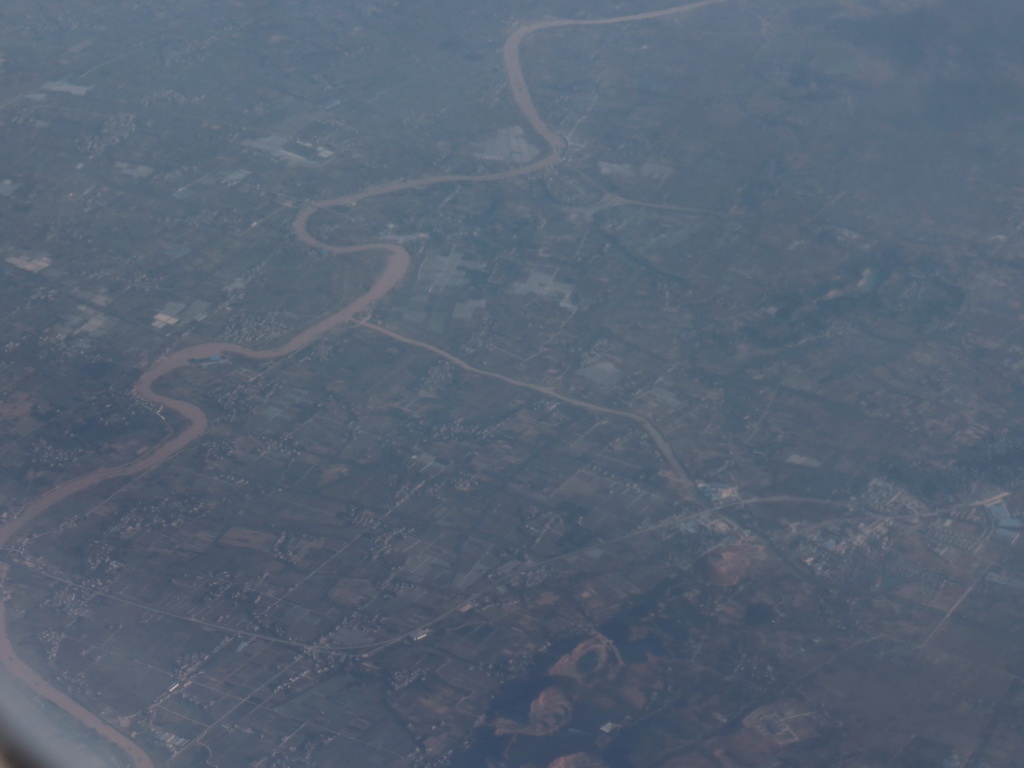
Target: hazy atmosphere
522	384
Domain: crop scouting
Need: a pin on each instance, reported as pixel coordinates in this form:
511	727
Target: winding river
397	262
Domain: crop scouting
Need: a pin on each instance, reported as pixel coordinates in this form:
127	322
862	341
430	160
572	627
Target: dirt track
397	264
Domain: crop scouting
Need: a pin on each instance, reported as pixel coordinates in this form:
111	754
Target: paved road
664	448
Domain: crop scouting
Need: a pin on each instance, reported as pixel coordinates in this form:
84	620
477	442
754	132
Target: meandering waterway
396	263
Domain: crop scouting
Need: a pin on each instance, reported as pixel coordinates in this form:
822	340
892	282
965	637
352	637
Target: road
678	473
397	263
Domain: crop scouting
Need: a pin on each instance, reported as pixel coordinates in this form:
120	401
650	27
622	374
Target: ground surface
557	384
